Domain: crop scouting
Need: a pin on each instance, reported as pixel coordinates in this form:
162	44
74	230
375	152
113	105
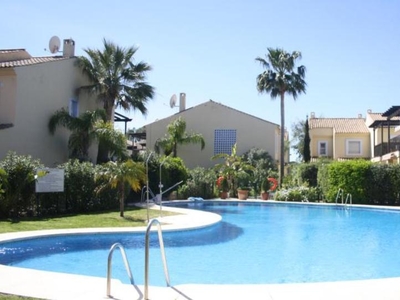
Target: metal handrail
109	263
144	191
146	266
339	193
349	197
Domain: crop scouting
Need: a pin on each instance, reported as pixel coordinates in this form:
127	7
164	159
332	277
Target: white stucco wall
205	118
41	90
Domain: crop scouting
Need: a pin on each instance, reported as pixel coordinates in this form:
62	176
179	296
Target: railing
147	190
109	264
349	200
339	195
146	266
382	149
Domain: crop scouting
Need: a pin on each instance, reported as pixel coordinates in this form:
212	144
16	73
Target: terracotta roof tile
341	125
30	61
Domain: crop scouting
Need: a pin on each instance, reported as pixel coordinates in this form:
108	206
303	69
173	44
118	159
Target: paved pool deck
50	285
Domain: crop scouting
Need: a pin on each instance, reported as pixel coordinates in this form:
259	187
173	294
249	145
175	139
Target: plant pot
223	195
264	195
243	194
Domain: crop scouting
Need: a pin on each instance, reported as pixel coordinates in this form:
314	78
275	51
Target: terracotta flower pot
264	195
223	195
243	194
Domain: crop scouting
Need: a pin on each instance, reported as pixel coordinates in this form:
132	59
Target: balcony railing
382	149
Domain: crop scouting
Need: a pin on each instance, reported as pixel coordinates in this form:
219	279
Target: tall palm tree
116	81
279	79
82	127
177	135
121	175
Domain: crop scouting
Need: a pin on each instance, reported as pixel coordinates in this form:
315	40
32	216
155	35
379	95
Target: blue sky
207	48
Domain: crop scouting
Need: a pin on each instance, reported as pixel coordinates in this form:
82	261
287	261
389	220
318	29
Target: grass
14	297
133	217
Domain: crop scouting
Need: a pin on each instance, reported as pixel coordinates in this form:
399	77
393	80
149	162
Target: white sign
49	180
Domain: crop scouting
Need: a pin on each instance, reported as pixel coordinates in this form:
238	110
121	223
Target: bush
18	197
201	183
299	194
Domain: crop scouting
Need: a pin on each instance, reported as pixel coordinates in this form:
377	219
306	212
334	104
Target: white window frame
348	141
319	148
73	108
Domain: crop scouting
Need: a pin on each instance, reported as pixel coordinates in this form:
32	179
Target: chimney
182	102
69	48
312	115
369	111
360	116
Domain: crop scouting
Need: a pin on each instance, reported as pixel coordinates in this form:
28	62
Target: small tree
120	176
177	135
306	151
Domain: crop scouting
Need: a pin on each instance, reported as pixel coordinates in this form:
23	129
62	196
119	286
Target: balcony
382	149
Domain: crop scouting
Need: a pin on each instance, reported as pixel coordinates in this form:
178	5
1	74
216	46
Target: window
73	108
353	147
323	148
224	139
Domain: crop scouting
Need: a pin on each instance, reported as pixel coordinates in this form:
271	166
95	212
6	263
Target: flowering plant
222	183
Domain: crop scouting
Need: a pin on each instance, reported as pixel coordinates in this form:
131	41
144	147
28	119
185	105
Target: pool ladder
347	202
146	266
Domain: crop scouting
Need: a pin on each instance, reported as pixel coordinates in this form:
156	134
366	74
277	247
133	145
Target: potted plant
265	187
243	181
223	187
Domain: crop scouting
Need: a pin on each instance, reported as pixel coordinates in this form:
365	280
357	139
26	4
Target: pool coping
51	285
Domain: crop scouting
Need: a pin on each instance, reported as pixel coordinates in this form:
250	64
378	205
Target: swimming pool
255	243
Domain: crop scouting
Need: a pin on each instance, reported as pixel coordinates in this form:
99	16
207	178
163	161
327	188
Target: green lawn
133	217
13	297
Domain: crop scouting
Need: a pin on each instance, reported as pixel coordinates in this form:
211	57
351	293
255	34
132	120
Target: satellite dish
54	44
172	101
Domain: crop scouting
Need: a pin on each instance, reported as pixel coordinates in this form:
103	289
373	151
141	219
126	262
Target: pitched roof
341	125
10	58
380	120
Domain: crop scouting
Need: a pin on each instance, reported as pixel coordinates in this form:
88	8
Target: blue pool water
255	243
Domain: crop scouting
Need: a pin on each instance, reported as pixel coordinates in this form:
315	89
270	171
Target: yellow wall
41	90
205	118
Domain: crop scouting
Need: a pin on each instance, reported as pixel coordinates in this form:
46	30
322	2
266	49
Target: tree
234	168
280	79
82	127
121	175
177	135
306	152
298	138
116	81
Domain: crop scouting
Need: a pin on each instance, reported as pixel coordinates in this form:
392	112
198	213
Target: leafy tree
177	135
233	167
280	79
113	139
82	128
264	166
117	81
298	138
306	152
120	176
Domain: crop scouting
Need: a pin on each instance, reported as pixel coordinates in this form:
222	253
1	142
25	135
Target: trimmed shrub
18	197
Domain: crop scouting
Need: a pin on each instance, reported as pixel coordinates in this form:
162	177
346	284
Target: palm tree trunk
121	199
282	149
103	151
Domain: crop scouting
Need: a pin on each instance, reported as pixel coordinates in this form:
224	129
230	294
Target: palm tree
114	140
177	136
83	130
116	81
120	176
280	79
